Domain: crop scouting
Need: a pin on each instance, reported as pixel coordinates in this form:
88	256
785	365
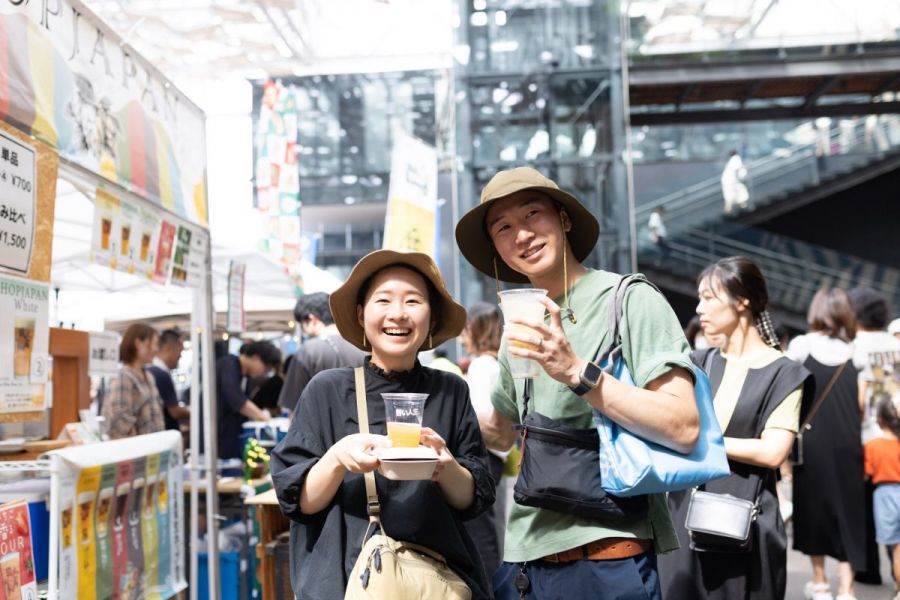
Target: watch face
592	374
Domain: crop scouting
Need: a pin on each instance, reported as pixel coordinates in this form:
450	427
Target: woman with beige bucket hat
527	230
393	305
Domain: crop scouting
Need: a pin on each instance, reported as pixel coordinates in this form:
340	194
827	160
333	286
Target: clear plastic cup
522	304
403	412
520	368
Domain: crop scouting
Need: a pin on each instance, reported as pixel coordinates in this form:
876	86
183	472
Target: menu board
17	203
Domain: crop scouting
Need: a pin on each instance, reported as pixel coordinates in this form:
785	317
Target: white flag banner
410	222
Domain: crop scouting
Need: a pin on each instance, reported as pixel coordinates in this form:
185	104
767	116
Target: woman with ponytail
829	487
882	455
757	397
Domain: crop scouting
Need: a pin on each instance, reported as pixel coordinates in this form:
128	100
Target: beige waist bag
391	569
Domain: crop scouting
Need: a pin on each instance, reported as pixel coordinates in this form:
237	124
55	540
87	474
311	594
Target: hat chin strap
570	314
496	275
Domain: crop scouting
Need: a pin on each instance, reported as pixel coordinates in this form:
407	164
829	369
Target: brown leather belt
605	549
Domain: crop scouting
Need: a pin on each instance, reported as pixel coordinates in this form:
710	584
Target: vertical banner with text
235	318
128	515
410	222
24	344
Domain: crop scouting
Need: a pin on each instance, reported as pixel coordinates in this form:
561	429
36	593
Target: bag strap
527	391
818	404
614	320
373	507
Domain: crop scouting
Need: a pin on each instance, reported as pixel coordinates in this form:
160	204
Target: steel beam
764	114
694	73
822	89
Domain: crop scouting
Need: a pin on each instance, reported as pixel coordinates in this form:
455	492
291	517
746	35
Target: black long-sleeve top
325	545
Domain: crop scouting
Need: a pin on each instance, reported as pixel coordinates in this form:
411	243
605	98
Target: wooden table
271	524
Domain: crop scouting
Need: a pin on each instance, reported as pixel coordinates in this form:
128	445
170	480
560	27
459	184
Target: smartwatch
590	377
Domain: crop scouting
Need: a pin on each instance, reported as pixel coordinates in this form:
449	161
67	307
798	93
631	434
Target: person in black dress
393	304
829	487
757	398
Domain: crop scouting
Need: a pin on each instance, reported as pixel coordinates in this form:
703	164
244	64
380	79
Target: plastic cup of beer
145	246
522	303
403	413
126	239
85	514
105	231
103	510
23	334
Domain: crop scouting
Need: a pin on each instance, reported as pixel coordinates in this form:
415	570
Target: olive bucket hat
475	243
343	300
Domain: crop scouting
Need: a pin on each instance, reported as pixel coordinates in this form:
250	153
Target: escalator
794	270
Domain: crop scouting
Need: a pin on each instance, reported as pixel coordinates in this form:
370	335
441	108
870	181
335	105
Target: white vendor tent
93	296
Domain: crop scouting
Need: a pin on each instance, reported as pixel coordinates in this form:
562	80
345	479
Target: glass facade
539	83
344	136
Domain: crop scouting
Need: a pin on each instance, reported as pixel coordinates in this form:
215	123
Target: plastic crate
229	576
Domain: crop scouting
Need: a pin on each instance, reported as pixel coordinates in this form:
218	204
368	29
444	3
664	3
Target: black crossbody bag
559	469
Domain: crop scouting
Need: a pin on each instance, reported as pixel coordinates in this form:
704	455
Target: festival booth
78	104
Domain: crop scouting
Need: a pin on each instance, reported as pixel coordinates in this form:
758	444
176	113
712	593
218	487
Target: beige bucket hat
343	300
475	243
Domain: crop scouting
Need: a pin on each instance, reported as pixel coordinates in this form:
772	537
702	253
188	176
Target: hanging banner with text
24	344
409	224
135	238
235	320
69	80
189	256
121	515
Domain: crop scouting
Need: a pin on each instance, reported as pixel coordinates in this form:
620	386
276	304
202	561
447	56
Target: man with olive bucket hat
527	230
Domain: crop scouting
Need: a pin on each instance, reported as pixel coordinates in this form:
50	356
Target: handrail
700	248
748	249
755	164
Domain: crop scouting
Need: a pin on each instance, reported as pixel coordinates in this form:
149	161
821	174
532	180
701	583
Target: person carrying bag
527	230
394	305
387	568
631	465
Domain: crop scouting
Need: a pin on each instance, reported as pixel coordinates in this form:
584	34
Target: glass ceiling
682	26
253	39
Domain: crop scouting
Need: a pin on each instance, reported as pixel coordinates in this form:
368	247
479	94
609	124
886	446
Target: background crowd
831	384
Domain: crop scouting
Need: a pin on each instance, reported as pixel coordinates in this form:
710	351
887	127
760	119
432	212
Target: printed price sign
104	353
17	203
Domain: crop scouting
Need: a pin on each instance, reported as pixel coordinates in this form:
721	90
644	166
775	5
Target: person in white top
657	230
870	346
733	188
481	339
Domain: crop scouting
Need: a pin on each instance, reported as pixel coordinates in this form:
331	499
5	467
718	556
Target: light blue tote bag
631	465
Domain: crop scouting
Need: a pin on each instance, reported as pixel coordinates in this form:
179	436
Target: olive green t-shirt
652	344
